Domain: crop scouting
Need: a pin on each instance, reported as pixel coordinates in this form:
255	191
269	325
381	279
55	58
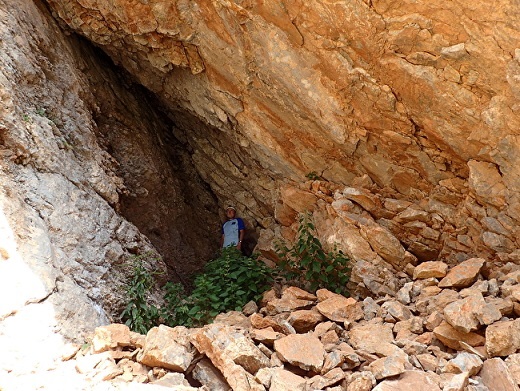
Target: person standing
232	230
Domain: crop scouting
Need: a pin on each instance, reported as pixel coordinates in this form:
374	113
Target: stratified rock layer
416	102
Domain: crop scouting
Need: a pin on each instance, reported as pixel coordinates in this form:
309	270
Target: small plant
313	175
138	314
41	112
175	311
26	117
306	263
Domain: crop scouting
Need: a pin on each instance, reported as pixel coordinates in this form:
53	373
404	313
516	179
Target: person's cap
230	207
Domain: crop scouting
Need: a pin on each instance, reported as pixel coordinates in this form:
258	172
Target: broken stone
110	336
302	350
463	275
450	337
293	292
428	361
361	381
513	364
168	348
436	269
206	373
174	380
319	382
464	362
234	355
284	380
456	382
503	338
287	304
370	308
266	336
374	337
462	314
496	376
340	309
389	366
433	320
397	310
305	320
404	294
409	381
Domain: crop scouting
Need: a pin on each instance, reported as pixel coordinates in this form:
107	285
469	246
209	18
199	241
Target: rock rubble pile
449	330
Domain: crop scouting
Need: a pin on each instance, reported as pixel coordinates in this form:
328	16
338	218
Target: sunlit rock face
416	103
89	177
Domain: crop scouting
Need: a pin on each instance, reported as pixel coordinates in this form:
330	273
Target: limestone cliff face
403	114
413	104
87	169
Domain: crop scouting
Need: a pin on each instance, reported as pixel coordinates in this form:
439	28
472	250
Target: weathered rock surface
78	152
412	119
402	115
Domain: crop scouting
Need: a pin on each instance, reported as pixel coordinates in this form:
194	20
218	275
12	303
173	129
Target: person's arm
241	231
240	238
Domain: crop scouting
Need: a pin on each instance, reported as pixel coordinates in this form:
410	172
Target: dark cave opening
163	194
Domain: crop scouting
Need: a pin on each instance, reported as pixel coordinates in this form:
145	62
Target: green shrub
313	175
306	264
138	314
227	283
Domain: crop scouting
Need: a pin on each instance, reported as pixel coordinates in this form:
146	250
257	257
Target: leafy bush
227	283
307	265
138	314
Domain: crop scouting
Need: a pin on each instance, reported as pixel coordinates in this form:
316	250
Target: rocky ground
446	329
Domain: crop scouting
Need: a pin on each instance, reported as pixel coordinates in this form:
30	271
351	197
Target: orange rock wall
412	101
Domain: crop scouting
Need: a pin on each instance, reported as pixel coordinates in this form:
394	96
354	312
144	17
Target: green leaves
227	283
138	315
306	263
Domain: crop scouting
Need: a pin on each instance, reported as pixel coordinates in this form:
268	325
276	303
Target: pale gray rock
464	362
206	373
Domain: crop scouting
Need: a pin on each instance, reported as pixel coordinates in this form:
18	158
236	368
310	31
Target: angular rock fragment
430	269
168	348
503	338
305	320
463	275
450	337
340	309
233	354
462	314
374	337
206	373
302	350
457	382
389	366
464	362
410	381
496	376
284	380
110	336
